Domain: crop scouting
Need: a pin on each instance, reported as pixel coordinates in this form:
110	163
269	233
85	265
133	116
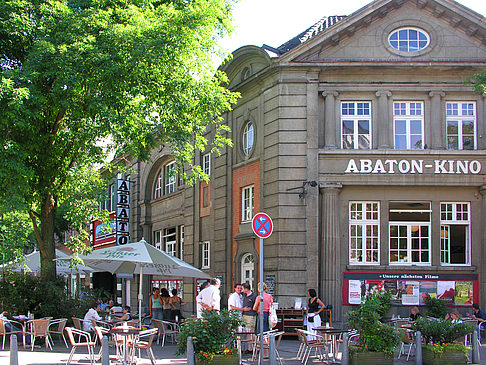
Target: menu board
411	289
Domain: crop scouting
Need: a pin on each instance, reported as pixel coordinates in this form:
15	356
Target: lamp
303	193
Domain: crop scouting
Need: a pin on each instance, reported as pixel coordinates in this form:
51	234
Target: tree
81	78
478	81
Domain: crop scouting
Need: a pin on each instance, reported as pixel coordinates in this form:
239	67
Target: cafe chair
317	345
39	328
5	332
144	342
56	327
408	338
102	331
266	344
87	343
165	329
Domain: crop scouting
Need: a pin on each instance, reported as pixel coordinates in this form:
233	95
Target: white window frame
409	250
248	135
206	163
159	183
170	178
248	264
205	255
362	218
169	239
181	242
356	118
408	117
158	239
247	203
446	223
457	115
408	40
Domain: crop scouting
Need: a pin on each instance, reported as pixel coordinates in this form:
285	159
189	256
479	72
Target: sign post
263	227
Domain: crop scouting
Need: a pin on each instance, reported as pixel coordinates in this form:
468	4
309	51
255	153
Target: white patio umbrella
32	261
139	258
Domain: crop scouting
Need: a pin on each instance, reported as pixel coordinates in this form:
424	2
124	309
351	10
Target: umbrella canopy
32	261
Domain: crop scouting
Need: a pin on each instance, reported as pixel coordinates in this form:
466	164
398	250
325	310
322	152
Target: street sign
262	225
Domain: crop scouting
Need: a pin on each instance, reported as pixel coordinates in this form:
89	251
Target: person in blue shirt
478	313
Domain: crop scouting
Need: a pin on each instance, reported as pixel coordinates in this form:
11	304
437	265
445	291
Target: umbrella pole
140	298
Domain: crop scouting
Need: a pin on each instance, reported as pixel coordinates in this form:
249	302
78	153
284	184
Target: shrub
435	307
442	332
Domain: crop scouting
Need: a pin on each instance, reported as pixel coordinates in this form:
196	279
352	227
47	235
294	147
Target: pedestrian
177	302
166	305
155	304
203	286
267	303
249	315
210	297
314	308
235	300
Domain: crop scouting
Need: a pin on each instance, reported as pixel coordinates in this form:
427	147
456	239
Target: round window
248	138
409	39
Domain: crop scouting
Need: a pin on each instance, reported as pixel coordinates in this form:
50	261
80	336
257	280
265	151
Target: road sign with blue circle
262	225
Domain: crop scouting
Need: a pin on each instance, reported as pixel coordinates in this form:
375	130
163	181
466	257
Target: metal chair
87	343
146	345
166	329
266	344
4	331
39	328
57	329
408	338
102	331
316	345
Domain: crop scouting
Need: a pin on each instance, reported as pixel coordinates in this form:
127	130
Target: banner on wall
410	288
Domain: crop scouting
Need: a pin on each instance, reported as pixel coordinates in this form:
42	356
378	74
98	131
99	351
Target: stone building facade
362	142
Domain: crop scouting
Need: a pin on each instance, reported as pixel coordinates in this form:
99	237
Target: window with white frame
205	249
248	138
247	200
455	227
170	178
170	241
158	239
181	242
206	163
248	269
409	226
408	125
159	183
356	125
364	232
461	125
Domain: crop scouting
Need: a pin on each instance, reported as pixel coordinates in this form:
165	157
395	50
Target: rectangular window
455	223
364	232
409	224
408	125
204	254
158	239
158	186
181	242
461	126
170	241
170	178
206	163
247	197
356	125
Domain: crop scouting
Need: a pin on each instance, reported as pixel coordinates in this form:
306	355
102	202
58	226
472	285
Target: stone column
383	126
481	248
436	128
481	124
330	123
330	258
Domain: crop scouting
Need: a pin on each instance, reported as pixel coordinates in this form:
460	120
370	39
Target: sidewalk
164	355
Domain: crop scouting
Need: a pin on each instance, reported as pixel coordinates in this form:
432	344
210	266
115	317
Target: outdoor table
333	333
125	332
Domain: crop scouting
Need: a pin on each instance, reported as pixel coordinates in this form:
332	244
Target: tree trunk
46	244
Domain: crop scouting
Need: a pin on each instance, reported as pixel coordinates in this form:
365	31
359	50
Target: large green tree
81	77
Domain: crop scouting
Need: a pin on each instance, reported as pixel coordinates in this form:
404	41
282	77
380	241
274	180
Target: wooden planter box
370	358
447	358
220	360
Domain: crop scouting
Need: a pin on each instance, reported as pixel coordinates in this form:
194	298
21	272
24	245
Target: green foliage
23	293
442	331
435	307
374	335
211	334
439	349
16	234
478	82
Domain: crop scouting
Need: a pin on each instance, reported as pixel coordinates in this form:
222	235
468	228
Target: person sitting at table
314	307
454	316
126	316
11	328
115	309
415	314
91	314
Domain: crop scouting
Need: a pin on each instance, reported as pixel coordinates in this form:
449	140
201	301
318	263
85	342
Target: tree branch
33	216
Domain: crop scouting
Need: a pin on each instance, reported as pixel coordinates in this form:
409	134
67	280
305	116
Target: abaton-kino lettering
366	166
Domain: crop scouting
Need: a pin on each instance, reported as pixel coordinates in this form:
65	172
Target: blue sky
274	22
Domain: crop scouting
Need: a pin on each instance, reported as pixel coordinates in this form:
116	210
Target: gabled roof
323	24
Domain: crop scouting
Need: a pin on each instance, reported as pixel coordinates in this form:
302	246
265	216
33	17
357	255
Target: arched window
409	39
248	269
166	180
248	138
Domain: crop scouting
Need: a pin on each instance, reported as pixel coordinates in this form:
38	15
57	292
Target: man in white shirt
90	314
203	286
209	298
235	300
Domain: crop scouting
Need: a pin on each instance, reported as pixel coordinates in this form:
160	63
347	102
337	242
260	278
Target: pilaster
436	129
383	125
330	123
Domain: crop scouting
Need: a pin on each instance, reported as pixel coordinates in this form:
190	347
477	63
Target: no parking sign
262	225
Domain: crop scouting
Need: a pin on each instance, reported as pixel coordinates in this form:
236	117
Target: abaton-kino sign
122	211
405	166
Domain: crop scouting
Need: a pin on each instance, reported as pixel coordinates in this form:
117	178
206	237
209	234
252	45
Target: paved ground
164	355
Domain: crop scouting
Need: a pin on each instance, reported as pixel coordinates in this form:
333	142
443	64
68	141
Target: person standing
199	308
155	304
249	315
210	298
267	303
314	308
176	301
166	304
235	300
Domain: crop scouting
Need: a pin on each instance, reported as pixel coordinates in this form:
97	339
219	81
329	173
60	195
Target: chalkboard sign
270	281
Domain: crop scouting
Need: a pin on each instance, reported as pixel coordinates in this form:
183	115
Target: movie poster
464	293
427	288
446	291
354	294
410	292
393	287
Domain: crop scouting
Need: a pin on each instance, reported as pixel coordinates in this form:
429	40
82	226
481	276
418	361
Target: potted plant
212	337
443	341
377	341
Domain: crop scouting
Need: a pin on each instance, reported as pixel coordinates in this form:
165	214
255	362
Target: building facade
361	140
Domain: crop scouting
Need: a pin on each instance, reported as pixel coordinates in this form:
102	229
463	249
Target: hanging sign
122	211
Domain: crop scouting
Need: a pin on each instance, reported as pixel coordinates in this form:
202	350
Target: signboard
122	211
103	233
456	289
270	281
262	225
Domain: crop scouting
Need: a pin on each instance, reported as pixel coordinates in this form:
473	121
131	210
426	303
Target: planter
220	360
447	358
370	358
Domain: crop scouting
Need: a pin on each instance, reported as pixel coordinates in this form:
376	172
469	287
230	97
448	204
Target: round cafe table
333	333
126	333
